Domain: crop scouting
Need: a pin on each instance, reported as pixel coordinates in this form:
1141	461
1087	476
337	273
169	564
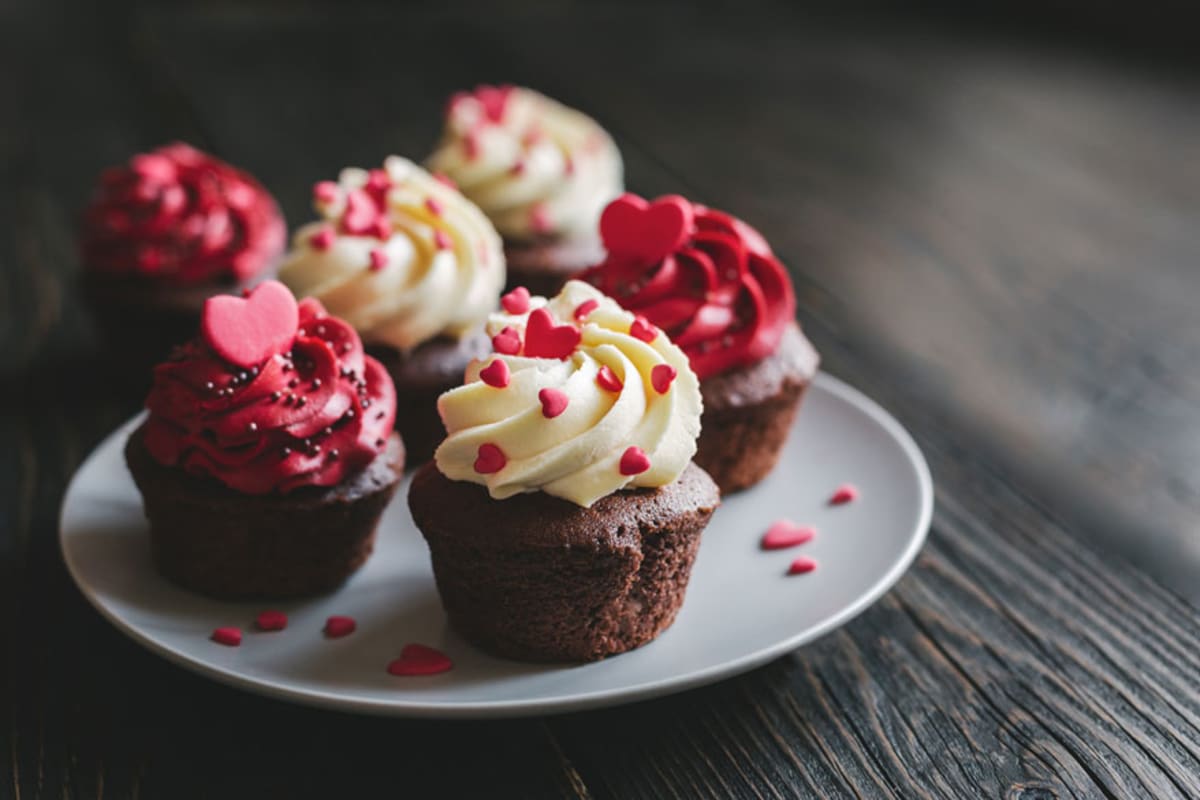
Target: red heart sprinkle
378	181
417	659
609	380
490	459
634	461
322	239
845	493
516	301
271	621
661	377
442	240
801	566
585	308
379	259
230	637
645	232
554	402
360	213
507	341
247	331
325	192
380	228
785	533
445	180
338	626
495	374
642	329
544	339
434	206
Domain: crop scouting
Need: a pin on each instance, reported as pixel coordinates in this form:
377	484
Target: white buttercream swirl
576	455
535	166
442	264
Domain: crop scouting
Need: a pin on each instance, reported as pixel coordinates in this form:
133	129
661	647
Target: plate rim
557	704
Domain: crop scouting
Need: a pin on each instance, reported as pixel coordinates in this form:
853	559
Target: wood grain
993	239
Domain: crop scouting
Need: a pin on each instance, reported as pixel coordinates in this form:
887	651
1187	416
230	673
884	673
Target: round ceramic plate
742	607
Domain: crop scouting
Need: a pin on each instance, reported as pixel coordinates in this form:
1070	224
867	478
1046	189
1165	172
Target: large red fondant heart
544	339
633	228
247	331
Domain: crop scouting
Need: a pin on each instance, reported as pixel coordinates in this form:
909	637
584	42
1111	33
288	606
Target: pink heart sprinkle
801	566
661	377
379	259
516	301
642	329
380	228
609	380
785	533
434	206
544	339
495	374
322	239
845	493
325	192
338	626
554	402
445	180
634	461
418	659
271	621
442	240
539	219
230	637
507	341
489	459
585	308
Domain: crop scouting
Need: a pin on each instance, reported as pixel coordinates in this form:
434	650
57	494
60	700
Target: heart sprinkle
661	377
846	493
247	331
634	461
442	240
434	205
322	239
516	301
785	533
554	402
325	192
230	637
507	341
338	626
418	659
544	339
642	329
489	459
585	308
271	621
609	380
801	566
379	259
495	374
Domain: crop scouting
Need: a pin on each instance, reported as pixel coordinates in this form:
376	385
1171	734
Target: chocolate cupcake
541	172
415	267
563	512
161	235
268	455
712	283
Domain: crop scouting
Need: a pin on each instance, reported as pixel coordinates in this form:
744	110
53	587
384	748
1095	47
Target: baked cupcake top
272	396
536	168
400	255
708	279
177	215
581	399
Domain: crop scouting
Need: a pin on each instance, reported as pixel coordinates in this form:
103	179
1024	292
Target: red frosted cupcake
163	233
268	455
712	283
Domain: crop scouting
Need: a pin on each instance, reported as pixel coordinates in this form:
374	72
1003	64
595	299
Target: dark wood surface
995	235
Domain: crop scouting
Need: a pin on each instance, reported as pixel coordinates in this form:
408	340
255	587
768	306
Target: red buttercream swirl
179	215
721	295
310	416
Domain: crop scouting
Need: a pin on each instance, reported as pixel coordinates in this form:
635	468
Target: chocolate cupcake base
224	544
748	413
421	377
536	578
542	266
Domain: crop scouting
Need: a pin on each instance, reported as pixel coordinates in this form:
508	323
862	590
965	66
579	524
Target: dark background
992	214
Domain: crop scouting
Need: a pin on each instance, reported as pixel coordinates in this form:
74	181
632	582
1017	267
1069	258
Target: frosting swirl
718	291
535	167
179	215
582	399
400	255
310	414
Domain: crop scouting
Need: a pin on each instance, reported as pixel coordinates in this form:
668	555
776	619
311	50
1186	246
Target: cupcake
267	456
542	173
563	512
161	235
712	284
415	268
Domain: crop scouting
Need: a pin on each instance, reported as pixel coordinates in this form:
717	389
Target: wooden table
996	238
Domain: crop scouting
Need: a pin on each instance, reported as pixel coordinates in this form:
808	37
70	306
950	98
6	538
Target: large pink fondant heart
246	331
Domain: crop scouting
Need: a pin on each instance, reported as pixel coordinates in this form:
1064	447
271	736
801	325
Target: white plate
742	610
